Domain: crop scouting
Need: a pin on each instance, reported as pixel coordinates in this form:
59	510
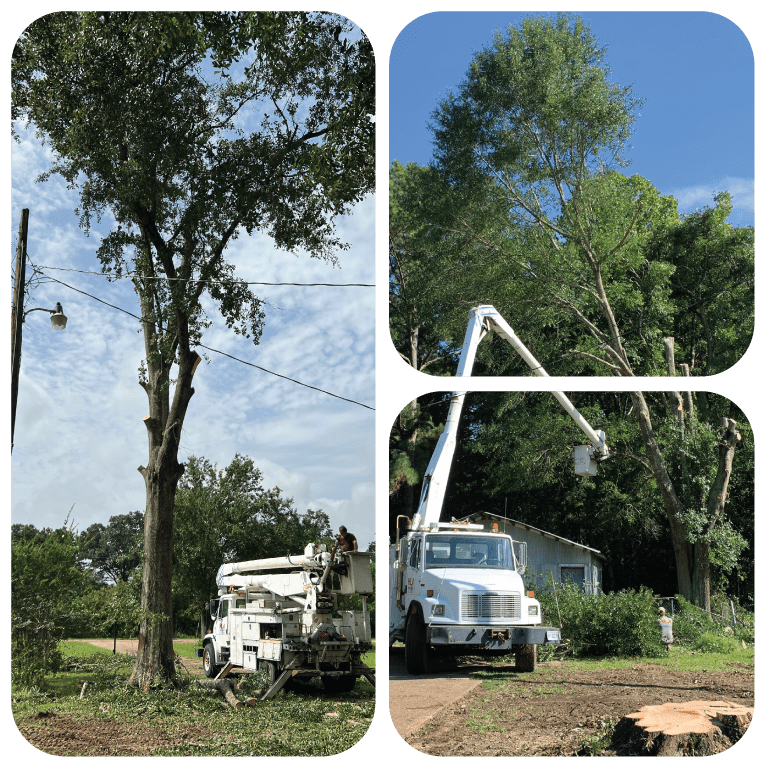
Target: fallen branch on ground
224	687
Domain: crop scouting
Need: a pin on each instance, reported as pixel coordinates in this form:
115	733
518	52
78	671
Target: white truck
288	623
457	588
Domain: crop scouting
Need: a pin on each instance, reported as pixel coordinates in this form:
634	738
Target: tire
525	658
208	661
337	685
416	652
272	670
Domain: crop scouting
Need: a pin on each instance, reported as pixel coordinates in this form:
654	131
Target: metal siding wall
545	553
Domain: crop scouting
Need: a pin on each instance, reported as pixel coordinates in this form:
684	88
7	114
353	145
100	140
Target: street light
57	319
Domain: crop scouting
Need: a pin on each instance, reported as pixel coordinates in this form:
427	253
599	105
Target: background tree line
88	583
525	207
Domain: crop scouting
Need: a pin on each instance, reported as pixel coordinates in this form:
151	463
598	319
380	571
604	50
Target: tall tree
190	129
114	550
711	285
538	121
226	515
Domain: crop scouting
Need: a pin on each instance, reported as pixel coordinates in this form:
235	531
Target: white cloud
691	198
79	432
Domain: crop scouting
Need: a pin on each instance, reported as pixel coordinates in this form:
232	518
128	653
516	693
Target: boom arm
481	320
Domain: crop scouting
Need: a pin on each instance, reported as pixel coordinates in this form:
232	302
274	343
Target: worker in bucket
346	541
665	626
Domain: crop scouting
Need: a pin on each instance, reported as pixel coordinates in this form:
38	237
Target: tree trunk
155	657
701	575
671	502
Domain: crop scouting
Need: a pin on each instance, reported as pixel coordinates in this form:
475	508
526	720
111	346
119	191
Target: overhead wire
217	351
216	282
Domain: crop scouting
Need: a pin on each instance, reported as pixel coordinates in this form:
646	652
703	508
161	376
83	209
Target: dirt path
414	700
130	647
552	712
126	646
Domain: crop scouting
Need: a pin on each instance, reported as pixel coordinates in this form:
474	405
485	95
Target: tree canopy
226	515
114	550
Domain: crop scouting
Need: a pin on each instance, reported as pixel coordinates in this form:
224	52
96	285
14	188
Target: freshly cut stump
691	728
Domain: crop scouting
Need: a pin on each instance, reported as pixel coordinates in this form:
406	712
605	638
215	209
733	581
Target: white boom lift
285	622
455	587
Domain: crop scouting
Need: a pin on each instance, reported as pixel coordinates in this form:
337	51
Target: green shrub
691	623
622	623
716	643
46	585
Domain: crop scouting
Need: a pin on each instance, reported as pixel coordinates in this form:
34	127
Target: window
414	557
572	574
462	551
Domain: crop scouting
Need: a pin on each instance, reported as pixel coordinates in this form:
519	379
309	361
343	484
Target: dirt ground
62	734
549	713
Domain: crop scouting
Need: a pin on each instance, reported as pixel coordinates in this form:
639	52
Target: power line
216	282
217	351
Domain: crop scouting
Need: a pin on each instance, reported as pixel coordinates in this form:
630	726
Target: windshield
472	551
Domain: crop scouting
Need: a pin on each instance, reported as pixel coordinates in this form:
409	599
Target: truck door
221	624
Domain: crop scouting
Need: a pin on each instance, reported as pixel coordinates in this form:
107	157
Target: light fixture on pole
57	316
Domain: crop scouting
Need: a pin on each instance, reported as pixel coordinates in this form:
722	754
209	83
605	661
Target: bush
691	623
715	643
619	624
46	585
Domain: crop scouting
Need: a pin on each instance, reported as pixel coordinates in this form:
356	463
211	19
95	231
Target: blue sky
79	432
695	133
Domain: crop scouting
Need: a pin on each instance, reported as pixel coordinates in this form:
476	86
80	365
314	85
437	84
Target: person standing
665	624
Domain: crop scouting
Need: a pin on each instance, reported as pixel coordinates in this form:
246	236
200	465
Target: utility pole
17	314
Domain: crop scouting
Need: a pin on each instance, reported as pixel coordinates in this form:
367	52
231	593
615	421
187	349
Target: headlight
533	609
438	609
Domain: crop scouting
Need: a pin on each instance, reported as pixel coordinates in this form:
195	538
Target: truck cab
460	591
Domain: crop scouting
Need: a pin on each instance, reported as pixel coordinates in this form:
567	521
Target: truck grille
490	605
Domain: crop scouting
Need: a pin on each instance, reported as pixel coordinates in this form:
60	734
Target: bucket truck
288	623
457	588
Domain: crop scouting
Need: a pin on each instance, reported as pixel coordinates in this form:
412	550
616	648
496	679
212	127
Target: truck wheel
208	661
525	658
416	650
272	670
336	685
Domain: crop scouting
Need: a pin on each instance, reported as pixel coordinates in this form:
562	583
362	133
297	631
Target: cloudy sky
79	433
695	132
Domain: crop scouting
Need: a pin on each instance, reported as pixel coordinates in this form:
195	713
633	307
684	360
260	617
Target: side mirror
214	606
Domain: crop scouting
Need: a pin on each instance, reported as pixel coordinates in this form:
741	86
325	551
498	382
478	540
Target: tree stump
694	728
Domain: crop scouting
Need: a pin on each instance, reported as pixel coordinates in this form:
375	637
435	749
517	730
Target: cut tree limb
224	687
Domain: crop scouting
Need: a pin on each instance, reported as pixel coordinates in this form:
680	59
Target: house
549	554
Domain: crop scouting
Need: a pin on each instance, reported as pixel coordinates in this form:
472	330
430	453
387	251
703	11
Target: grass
303	722
485	721
679	659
